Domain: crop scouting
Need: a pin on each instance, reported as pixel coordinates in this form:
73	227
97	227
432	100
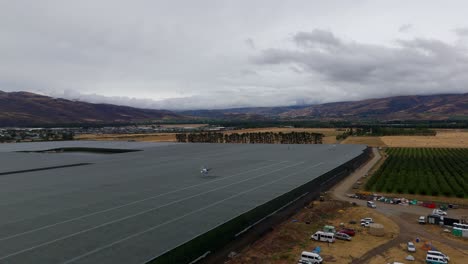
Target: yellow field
448	138
443	139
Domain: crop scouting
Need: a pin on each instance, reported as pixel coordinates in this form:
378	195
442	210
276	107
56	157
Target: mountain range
29	109
416	107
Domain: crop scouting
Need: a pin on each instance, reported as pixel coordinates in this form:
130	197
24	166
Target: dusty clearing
289	239
400	252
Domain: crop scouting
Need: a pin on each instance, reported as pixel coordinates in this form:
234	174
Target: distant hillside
28	109
23	109
431	107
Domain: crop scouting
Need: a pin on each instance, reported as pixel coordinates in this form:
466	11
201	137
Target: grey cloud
405	28
414	66
317	38
248	72
242	97
176	54
250	43
462	31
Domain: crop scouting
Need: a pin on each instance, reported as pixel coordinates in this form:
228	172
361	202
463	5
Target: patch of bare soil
289	239
400	252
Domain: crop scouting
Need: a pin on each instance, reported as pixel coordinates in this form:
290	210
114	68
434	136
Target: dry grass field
443	139
448	138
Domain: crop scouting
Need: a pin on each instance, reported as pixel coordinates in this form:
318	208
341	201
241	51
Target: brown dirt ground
289	239
399	253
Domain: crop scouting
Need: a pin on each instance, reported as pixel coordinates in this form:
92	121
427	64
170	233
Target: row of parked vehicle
329	234
432	257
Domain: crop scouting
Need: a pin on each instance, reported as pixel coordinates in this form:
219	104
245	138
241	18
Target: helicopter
204	171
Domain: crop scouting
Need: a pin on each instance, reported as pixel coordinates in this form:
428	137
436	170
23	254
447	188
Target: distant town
9	135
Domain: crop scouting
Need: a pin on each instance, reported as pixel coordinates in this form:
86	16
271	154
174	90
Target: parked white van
310	258
433	259
323	236
438	253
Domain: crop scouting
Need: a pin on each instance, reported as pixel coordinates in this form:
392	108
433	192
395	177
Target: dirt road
405	216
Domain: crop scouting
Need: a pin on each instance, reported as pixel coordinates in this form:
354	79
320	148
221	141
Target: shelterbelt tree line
252	138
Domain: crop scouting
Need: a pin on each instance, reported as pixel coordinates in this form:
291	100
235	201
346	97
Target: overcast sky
220	54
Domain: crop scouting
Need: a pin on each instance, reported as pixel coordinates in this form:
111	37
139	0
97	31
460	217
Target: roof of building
132	207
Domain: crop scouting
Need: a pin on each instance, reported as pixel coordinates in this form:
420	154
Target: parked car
365	224
411	247
422	220
367	219
342	236
348	231
371	204
439	212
